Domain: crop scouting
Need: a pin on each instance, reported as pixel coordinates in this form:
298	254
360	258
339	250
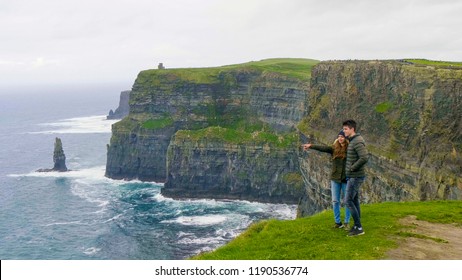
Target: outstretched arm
321	148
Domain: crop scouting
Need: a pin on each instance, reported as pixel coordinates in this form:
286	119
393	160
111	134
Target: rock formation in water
59	158
123	108
231	132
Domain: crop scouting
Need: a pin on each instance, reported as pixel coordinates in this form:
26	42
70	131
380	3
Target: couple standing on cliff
349	156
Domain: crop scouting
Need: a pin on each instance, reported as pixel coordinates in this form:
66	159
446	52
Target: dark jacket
357	157
338	165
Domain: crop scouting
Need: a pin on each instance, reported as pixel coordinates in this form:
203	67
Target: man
357	157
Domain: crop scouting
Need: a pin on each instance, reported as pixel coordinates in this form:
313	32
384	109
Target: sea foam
205	220
95	174
91	124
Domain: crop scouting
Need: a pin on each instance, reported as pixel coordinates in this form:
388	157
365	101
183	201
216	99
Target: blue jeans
352	198
338	193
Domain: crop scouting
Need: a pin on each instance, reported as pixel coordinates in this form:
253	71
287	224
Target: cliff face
137	152
206	166
123	108
410	117
260	105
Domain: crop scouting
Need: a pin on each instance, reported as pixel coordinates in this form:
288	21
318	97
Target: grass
298	68
421	236
314	238
434	62
146	121
157	123
383	107
194	75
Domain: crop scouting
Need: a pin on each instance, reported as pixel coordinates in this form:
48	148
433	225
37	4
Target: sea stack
123	108
59	158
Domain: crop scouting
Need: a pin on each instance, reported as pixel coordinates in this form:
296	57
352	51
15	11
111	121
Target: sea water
81	214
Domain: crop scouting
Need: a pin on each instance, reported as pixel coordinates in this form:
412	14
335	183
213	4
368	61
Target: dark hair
350	124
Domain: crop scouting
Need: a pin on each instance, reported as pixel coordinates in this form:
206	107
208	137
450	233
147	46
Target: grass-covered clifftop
314	237
437	63
299	68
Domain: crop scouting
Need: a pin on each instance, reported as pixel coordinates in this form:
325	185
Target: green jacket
357	157
338	165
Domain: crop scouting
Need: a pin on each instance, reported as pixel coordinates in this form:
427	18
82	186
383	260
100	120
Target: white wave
282	211
89	184
90	175
91	251
91	124
218	240
235	224
65	223
278	211
86	183
113	218
91	193
230	233
160	198
93	173
54	174
206	220
181	234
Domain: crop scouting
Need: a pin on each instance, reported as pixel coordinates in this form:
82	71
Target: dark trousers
352	198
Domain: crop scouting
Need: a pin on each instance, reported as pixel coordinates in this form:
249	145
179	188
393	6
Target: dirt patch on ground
428	241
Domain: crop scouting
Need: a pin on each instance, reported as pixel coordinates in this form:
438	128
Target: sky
51	42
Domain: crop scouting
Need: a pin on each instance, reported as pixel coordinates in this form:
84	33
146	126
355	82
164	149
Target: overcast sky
96	41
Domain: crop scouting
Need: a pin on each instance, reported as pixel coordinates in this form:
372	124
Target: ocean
81	214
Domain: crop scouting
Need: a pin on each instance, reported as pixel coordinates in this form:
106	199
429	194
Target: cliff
410	116
123	109
253	100
204	164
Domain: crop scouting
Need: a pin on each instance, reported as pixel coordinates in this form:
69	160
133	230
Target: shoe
346	227
338	225
355	231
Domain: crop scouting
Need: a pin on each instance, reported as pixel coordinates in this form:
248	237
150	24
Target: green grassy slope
315	238
434	62
293	67
299	68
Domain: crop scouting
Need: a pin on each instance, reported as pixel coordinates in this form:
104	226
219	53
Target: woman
338	151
